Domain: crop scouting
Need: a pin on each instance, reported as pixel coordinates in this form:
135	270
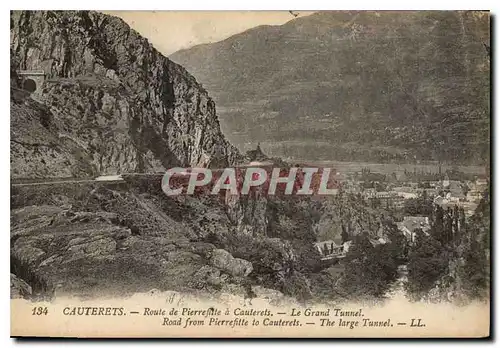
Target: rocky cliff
109	103
93	238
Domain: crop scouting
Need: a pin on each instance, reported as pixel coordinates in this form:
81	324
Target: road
106	178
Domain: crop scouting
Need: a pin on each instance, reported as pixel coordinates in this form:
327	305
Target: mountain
346	85
89	96
109	101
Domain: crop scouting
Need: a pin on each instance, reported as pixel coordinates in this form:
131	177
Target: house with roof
456	191
482	182
411	223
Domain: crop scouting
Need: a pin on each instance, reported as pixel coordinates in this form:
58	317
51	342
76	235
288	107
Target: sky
171	31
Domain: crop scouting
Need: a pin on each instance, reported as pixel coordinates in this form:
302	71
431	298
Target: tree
475	270
474	273
462	226
427	262
369	270
398	246
448	227
325	250
376	202
345	235
437	228
422	205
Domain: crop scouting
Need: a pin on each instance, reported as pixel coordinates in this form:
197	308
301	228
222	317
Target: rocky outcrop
110	103
86	253
80	238
346	216
19	288
236	267
248	213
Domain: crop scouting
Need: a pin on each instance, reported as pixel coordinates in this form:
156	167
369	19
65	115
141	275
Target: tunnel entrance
29	85
31	80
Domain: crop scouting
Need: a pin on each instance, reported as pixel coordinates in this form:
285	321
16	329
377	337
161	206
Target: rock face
348	216
87	253
110	102
19	288
93	239
225	261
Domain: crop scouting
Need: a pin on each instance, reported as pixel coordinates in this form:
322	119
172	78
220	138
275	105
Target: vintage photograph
296	159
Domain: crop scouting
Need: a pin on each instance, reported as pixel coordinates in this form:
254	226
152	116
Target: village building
328	249
388	199
411	223
407	192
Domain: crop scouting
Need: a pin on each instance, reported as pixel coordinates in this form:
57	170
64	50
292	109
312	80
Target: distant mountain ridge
347	85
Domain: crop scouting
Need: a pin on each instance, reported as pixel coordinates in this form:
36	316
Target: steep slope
97	238
110	102
376	86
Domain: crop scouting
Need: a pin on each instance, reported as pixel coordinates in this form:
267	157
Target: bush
369	271
427	262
